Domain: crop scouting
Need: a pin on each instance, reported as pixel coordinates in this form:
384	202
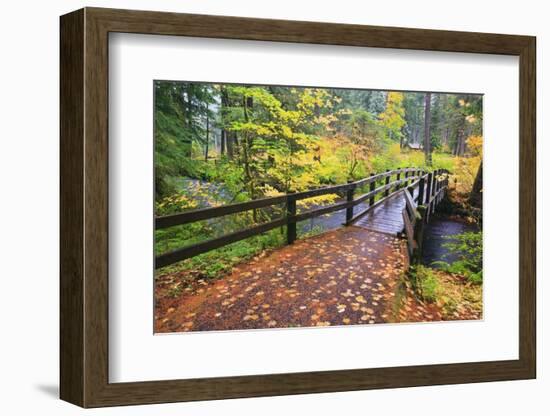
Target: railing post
410	190
420	191
406	176
349	198
387	191
436	192
428	189
290	219
419	234
372	187
397	178
431	208
440	191
428	202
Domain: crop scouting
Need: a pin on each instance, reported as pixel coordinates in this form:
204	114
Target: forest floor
342	277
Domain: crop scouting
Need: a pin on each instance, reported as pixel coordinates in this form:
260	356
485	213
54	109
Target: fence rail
429	189
404	178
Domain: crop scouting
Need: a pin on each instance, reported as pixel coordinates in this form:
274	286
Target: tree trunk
461	139
427	137
207	136
222	142
227	137
230	142
476	196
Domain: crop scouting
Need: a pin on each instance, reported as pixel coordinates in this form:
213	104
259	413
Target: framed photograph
255	207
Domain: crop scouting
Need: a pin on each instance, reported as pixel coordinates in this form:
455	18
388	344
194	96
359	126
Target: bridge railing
381	185
421	200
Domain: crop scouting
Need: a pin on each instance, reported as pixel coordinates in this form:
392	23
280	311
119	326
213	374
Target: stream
434	238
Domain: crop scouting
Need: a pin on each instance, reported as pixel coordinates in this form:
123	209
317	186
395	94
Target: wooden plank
395	217
372	190
409	232
395	224
393	229
214	212
72	192
376	204
411	206
421	188
333	189
321	211
196	249
419	231
349	210
290	223
341	188
207	213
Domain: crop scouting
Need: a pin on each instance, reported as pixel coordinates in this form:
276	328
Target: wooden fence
385	184
421	200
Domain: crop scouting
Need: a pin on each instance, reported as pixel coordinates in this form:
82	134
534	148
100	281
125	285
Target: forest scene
284	206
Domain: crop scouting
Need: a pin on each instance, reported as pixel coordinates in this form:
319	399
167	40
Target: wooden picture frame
84	207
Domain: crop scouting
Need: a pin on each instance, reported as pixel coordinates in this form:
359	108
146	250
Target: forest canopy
265	140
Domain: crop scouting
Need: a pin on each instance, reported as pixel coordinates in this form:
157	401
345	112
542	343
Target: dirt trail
342	277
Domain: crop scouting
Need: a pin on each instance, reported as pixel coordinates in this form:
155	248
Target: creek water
434	238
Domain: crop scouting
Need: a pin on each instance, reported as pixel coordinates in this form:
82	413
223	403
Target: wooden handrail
417	210
214	212
291	217
196	249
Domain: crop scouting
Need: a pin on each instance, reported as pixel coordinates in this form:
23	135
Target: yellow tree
393	117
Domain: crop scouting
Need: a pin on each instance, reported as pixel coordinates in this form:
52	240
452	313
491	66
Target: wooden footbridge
396	202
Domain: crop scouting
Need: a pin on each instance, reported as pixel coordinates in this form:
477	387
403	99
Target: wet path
342	277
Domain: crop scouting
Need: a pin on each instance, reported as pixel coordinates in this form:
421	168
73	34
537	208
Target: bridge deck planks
387	217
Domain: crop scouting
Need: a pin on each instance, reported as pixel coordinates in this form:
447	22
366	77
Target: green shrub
425	282
469	249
